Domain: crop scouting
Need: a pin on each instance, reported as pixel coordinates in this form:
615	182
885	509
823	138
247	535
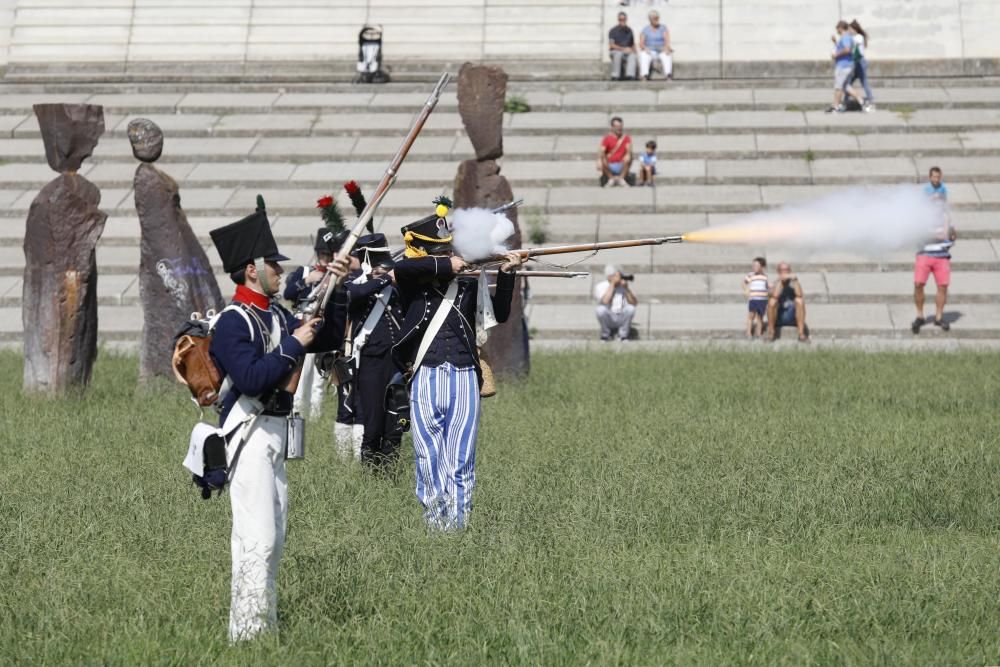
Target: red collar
246	295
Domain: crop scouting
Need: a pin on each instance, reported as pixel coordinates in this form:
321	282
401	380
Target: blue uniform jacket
422	282
255	372
295	286
360	301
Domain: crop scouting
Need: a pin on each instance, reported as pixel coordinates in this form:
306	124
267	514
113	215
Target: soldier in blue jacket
299	285
376	316
256	345
444	398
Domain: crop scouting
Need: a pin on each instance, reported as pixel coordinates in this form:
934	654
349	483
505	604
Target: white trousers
258	493
348	438
611	321
310	389
646	59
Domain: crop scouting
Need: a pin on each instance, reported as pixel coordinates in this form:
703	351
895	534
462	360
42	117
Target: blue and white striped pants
444	406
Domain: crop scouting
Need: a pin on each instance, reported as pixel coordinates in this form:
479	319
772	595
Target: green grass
675	508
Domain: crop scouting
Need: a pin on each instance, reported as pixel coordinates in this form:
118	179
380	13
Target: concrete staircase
726	148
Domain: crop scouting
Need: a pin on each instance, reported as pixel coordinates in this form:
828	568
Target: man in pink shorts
934	258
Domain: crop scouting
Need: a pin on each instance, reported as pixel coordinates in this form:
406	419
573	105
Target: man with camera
615	303
786	305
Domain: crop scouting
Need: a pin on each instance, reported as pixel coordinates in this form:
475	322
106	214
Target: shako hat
244	241
372	249
429	235
328	241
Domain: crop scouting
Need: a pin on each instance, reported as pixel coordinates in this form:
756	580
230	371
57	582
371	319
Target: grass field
681	508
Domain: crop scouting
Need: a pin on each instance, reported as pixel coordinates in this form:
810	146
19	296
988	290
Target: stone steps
545	148
630	97
668	199
665	287
685	260
556	174
725	150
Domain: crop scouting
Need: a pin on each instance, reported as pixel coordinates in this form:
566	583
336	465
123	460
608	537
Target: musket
527	253
535	274
318	305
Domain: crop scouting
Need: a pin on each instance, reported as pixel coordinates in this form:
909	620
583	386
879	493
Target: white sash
381	301
439	317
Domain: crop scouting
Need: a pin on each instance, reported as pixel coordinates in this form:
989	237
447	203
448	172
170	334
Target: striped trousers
444	405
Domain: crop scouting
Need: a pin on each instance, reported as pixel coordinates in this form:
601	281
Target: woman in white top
861	63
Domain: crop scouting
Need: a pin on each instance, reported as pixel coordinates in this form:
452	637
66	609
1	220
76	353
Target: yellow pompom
441	210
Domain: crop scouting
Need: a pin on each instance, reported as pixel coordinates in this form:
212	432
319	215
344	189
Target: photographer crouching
615	303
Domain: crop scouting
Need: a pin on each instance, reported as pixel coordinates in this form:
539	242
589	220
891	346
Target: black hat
427	235
328	241
374	245
241	242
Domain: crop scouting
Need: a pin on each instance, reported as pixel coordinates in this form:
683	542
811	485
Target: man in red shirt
614	158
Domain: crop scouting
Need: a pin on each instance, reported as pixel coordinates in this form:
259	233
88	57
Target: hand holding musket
330	282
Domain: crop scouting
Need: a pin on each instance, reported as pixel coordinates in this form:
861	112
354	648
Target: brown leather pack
194	367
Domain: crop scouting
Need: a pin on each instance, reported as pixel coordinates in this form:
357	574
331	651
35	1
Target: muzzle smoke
872	223
478	233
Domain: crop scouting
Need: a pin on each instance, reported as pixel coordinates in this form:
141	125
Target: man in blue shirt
934	258
843	65
935	189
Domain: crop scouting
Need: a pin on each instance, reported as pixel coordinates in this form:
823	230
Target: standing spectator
843	65
756	290
614	157
860	73
647	164
615	303
934	257
621	43
934	188
787	304
654	43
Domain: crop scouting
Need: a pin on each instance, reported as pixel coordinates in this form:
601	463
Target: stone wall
720	36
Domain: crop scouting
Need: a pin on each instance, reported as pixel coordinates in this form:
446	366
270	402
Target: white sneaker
869	107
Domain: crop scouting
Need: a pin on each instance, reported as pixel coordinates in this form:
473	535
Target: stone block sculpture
481	93
59	310
175	275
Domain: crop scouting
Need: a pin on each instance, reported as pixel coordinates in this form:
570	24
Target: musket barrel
526	253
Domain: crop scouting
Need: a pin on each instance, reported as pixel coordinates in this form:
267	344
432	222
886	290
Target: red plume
357	198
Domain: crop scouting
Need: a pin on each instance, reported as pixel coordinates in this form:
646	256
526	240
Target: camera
628	276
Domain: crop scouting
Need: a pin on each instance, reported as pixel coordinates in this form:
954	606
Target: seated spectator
934	258
756	290
647	164
615	304
654	44
621	43
787	305
614	157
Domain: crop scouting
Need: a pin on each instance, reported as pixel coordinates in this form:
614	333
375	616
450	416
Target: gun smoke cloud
479	233
870	222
